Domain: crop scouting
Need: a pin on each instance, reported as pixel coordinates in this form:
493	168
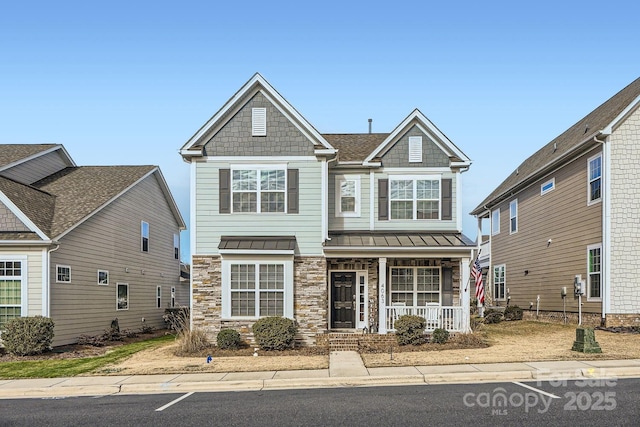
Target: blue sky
130	82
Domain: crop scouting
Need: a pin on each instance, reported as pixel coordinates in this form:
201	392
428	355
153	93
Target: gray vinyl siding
305	225
561	215
398	154
422	225
37	168
110	240
349	223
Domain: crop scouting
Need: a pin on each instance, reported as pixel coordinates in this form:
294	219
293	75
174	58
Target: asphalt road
560	403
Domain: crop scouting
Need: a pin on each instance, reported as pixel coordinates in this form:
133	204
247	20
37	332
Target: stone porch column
382	295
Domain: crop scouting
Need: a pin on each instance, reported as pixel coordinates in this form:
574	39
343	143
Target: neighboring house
86	244
337	231
571	209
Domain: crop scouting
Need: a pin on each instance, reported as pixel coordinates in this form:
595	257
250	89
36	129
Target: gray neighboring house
86	244
571	209
340	232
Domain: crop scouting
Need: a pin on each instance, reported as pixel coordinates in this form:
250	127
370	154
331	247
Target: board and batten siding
423	224
625	216
34	303
37	168
561	215
110	240
305	225
361	222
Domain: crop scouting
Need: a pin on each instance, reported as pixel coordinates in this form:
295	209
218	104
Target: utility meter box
578	285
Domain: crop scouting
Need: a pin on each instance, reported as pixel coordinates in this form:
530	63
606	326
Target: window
415	198
261	190
63	274
415	286
595	179
495	222
258	122
415	149
144	232
547	186
499	282
173	296
594	265
513	216
158	296
122	296
11	279
103	277
348	196
176	246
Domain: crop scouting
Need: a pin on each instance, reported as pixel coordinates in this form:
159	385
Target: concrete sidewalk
345	370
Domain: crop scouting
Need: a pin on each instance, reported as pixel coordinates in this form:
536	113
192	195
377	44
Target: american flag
476	272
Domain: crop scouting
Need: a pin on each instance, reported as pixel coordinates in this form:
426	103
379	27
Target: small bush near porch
410	330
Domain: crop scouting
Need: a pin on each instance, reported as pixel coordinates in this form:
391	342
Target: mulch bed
247	350
621	329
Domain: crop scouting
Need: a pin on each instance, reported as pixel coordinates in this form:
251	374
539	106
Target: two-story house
569	214
85	245
337	231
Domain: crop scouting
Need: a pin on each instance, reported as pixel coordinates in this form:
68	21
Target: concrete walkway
346	369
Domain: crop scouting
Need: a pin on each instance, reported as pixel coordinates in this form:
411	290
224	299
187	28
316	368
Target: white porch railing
449	318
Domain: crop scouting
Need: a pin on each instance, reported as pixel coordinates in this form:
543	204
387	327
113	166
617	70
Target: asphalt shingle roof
37	205
355	147
584	130
13	152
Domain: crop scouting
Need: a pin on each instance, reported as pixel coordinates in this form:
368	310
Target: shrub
275	333
191	341
176	319
24	336
513	312
492	317
95	341
440	336
410	330
476	323
228	339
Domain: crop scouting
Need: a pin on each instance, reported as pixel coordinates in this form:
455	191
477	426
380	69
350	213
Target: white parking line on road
537	390
173	402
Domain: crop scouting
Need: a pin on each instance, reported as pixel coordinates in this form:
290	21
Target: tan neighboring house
571	209
86	244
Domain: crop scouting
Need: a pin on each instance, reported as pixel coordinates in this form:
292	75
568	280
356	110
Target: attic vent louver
258	121
415	149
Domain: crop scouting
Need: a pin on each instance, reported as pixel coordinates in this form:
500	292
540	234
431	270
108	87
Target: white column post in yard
465	289
382	295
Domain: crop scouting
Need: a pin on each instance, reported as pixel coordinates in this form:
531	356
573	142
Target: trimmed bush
228	339
492	316
513	312
440	336
275	333
410	330
25	336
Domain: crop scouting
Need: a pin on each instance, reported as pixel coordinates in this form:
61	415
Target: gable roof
355	147
13	154
64	200
193	147
600	122
35	207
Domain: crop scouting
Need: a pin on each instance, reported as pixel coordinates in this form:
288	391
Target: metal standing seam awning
253	244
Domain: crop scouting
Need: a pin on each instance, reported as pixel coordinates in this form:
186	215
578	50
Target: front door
343	293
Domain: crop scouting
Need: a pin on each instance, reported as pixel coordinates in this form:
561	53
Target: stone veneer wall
310	299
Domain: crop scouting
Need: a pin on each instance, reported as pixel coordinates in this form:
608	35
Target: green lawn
71	367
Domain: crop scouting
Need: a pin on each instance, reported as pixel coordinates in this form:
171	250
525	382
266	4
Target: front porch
450	318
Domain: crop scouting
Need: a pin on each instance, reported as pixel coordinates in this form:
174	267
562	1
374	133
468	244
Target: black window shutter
293	190
447	199
383	199
225	191
447	286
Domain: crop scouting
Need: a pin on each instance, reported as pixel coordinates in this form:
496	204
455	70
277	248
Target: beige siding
110	240
561	215
306	225
36	169
34	276
625	216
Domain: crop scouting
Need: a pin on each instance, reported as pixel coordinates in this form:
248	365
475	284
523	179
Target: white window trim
589	160
259	121
98	277
176	245
58	266
551	182
227	261
416	178
514	202
495	225
142	236
415	282
588	290
338	206
415	149
158	296
117	288
493	281
258	168
24	286
173	296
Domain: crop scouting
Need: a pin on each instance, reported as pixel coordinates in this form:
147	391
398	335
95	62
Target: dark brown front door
343	291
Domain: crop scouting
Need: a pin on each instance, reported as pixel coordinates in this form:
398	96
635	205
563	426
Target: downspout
46	298
606	227
325	197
